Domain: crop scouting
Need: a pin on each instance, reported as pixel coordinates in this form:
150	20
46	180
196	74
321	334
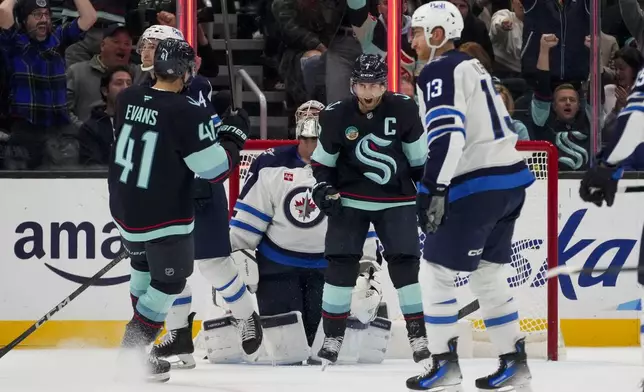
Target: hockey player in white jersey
472	163
599	183
276	218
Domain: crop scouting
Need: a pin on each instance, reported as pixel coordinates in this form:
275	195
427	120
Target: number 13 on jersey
125	154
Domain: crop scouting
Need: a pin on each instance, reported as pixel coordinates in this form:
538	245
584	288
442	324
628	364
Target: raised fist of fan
549	40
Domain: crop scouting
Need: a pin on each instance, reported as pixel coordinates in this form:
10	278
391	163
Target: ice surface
89	370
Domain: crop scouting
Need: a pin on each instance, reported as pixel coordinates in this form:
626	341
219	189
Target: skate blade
159	378
511	388
447	388
325	363
182	361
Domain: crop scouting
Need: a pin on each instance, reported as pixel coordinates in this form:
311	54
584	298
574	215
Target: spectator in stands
627	62
84	78
607	49
97	133
371	32
478	52
474	29
32	51
562	121
571	62
109	12
506	32
517	126
322	26
633	17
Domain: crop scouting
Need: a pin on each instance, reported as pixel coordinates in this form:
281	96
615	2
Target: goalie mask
307	119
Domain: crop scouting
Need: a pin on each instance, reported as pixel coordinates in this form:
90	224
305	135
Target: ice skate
418	340
177	343
513	373
157	369
444	374
330	349
134	365
251	335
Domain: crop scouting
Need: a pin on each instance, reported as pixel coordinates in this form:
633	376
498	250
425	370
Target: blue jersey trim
523	178
279	256
253	211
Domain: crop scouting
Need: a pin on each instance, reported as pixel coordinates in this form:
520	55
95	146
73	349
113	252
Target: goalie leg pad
178	315
221	338
499	309
223	275
375	340
440	306
284	338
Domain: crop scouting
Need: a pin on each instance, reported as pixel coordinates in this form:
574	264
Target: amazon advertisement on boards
56	233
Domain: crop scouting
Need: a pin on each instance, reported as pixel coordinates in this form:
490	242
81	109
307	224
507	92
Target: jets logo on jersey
367	153
300	209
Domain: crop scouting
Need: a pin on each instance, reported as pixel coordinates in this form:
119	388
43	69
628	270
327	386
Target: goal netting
534	250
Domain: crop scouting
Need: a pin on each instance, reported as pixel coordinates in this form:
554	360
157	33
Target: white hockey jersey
469	131
629	128
276	214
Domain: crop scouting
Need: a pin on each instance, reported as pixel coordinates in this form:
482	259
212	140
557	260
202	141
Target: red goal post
541	204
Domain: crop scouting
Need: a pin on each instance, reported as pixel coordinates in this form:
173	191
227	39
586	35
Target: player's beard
368	104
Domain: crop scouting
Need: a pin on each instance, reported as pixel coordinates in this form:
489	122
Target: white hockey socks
178	315
499	309
440	306
223	275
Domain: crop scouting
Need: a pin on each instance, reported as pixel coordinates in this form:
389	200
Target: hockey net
534	250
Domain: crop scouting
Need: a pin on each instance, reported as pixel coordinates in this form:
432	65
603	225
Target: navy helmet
174	57
369	68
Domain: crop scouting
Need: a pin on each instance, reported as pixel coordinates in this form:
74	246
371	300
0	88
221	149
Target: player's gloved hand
599	184
235	127
431	207
327	198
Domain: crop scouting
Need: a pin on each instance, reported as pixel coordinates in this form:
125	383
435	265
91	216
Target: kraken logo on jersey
574	156
367	153
300	209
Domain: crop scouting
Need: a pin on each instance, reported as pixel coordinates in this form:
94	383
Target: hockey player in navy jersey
212	247
276	217
472	163
371	150
163	139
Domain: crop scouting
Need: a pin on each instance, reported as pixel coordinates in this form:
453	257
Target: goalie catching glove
599	184
367	294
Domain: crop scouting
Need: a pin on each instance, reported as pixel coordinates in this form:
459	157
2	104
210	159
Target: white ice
91	370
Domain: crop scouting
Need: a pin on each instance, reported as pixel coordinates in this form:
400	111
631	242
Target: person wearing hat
31	50
84	78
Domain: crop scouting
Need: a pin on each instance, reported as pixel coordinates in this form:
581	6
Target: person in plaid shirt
32	52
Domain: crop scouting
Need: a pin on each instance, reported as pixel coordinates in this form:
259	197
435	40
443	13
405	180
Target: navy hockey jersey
372	158
469	130
276	215
629	128
162	140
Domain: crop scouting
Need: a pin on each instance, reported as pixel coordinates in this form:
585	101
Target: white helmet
441	14
159	33
306	119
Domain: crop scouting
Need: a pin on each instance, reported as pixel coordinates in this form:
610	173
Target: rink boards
58	232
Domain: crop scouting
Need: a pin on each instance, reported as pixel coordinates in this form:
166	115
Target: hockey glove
327	198
235	128
431	208
599	184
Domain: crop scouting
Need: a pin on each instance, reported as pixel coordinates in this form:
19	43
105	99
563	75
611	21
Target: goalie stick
229	54
630	189
62	304
463	312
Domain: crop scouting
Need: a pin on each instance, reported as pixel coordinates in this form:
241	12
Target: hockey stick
630	189
571	270
62	304
229	54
